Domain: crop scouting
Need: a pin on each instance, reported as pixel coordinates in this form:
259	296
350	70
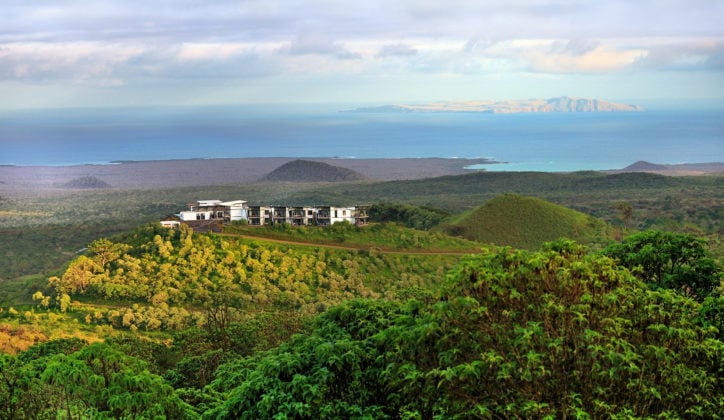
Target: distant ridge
85	182
527	222
643	166
558	104
672	169
311	171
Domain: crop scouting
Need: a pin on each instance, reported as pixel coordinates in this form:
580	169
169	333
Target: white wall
340	214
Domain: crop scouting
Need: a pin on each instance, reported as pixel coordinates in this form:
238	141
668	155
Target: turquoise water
543	142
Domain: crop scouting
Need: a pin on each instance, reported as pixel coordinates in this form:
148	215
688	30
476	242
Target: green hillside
527	222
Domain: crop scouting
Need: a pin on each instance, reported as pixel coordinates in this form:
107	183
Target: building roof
234	203
208	203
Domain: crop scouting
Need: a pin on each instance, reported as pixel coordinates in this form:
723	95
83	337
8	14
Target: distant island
559	104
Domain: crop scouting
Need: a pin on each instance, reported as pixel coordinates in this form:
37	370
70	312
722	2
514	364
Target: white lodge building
204	212
224	211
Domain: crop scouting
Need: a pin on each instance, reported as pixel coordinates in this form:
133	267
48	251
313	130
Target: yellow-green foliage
15	338
160	279
22	328
527	222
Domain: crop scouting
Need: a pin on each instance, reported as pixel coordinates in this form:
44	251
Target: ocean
541	142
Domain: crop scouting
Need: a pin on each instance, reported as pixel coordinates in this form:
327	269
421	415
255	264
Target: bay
541	142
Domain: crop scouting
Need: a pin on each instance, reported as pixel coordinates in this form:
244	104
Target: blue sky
68	53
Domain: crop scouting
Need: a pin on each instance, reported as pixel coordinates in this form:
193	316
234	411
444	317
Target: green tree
22	392
669	260
99	381
335	372
625	212
556	333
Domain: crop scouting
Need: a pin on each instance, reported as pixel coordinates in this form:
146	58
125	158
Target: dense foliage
68	379
158	274
669	260
549	334
422	218
562	332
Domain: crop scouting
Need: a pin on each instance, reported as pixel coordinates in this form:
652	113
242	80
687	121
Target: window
344	212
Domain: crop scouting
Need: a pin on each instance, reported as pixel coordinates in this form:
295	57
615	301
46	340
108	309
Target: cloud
317	44
576	46
277	20
71	61
680	55
601	55
134	43
117	64
399	50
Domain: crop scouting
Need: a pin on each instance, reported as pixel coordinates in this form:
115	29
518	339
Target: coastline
222	171
228	171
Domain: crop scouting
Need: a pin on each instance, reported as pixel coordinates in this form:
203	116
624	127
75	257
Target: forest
400	319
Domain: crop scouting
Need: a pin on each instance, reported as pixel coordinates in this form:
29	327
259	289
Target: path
343	247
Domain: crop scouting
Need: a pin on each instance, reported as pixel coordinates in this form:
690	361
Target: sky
81	53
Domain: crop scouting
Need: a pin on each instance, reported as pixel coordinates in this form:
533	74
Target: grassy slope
526	222
385	236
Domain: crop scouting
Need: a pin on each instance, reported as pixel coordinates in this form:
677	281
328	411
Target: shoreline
228	171
217	171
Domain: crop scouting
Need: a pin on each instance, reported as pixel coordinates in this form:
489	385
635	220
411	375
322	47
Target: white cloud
318	44
132	43
399	49
210	51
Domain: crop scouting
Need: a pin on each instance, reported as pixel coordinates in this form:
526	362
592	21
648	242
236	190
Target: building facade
224	212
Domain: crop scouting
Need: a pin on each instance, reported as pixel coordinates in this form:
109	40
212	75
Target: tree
625	210
104	251
516	334
669	260
99	381
334	372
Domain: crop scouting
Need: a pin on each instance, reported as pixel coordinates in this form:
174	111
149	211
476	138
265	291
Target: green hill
527	222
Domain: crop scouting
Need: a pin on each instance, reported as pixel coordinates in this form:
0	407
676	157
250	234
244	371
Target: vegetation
526	222
161	275
377	322
559	332
669	260
375	237
555	333
85	182
39	231
422	218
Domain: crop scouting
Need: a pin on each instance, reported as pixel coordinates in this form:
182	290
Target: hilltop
311	171
527	222
559	104
673	169
85	182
